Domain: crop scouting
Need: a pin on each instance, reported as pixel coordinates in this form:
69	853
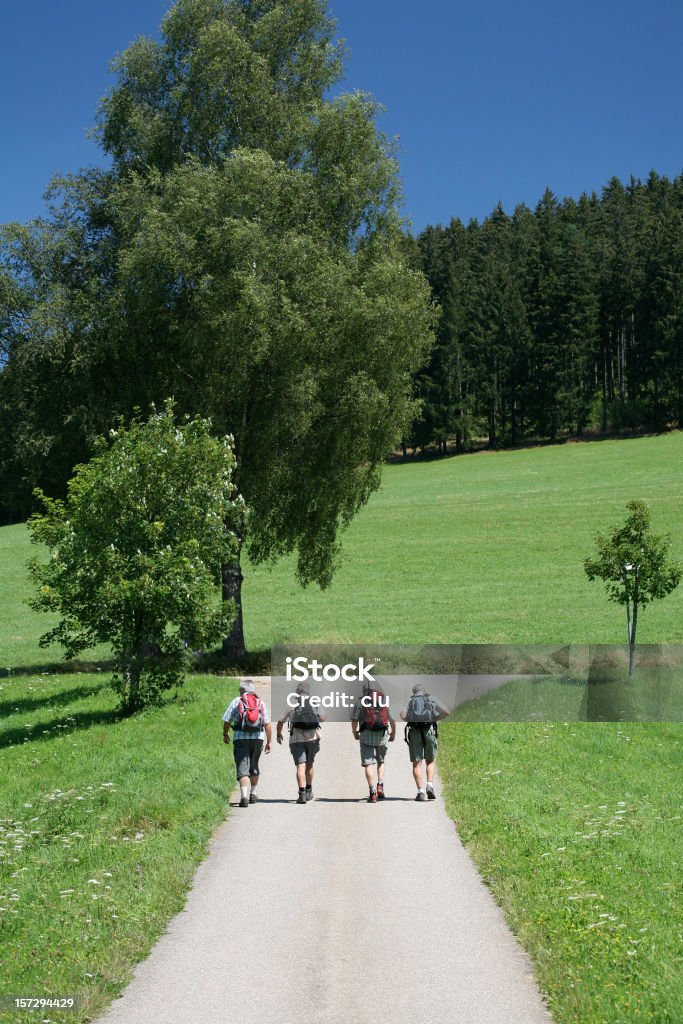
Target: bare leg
380	771
431	769
309	774
301	773
370	774
417	773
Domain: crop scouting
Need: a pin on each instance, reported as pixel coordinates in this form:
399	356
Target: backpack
304	717
249	714
375	715
421	710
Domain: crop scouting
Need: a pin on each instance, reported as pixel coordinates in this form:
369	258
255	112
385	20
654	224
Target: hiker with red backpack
373	725
247	715
422	716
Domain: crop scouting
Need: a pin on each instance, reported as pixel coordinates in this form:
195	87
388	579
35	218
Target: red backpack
249	713
373	714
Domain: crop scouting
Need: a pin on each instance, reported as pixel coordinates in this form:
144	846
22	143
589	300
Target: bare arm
441	711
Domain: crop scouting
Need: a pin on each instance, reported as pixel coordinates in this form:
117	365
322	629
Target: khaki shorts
304	753
422	744
370	754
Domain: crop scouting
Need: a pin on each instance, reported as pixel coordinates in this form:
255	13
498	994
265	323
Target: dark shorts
304	753
422	744
247	754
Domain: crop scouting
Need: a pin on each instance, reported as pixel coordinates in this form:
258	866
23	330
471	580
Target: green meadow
484	548
575	827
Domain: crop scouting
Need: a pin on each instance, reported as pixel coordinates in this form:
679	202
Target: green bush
136	551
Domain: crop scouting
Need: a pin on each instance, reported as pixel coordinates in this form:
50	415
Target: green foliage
136	549
634	562
244	254
635	566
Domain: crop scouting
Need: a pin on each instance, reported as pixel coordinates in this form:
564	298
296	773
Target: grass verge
103	821
576	829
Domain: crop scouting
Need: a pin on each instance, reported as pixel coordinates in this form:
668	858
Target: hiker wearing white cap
304	739
422	715
247	715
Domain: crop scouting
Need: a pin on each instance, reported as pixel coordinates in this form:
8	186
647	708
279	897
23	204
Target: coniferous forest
556	321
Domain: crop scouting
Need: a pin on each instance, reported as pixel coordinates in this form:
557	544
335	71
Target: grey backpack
421	710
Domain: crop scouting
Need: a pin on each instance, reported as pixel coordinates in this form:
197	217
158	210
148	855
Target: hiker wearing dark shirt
374	726
422	715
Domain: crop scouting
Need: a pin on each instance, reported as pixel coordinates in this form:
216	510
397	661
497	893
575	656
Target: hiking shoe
253	798
372	798
309	794
431	795
244	802
421	796
302	798
380	791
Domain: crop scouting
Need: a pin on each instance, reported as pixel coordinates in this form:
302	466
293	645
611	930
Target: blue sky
493	101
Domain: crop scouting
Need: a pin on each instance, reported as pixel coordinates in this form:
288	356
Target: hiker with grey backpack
304	739
422	717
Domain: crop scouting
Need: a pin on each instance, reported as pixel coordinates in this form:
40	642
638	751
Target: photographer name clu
337	700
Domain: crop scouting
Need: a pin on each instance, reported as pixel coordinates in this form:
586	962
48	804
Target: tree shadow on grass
255	663
58	699
57	727
57	668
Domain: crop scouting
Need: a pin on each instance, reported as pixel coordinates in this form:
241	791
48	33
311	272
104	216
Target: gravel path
336	912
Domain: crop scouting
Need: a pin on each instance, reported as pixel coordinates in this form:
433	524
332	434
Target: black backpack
304	717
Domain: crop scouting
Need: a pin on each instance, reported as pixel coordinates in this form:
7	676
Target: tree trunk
132	660
632	643
233	645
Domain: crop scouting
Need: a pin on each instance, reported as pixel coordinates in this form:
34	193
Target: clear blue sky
493	101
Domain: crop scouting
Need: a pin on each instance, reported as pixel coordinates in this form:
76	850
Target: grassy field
575	828
103	822
484	548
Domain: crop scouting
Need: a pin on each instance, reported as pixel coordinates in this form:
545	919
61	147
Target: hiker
373	724
247	715
421	734
304	739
